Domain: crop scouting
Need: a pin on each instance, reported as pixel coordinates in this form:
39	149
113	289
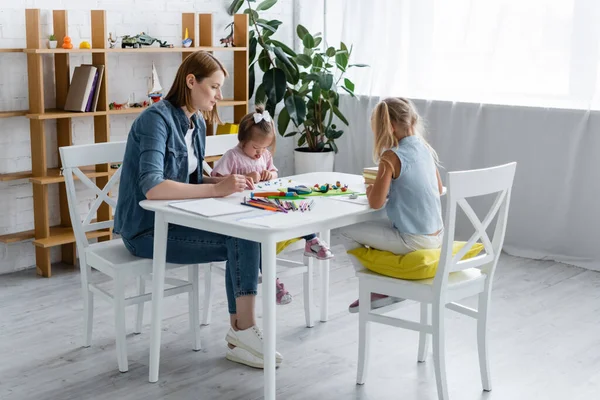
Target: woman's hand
266	175
249	183
231	184
255	176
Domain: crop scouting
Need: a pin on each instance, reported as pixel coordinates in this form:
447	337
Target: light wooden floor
545	344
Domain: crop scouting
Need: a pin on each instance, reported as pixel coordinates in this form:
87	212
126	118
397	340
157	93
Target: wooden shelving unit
45	237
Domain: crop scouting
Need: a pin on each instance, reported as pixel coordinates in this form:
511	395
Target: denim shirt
155	151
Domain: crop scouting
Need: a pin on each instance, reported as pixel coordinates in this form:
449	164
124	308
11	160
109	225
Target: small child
410	181
252	158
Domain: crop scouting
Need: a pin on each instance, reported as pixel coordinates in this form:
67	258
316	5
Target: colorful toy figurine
301	190
67	43
85	45
228	40
186	42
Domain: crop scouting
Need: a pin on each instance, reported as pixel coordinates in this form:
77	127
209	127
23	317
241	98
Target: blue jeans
192	246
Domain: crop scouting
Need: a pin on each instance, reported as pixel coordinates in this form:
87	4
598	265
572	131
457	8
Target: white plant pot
306	162
52	44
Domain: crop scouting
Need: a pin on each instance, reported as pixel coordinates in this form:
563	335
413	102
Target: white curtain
504	80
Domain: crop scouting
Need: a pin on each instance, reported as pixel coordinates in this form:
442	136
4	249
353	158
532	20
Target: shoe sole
386	301
234	342
306	254
232	357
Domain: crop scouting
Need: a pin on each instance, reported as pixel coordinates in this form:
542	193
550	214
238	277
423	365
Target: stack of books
84	88
370	174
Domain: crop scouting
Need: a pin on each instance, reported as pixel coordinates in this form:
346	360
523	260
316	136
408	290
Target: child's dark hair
249	129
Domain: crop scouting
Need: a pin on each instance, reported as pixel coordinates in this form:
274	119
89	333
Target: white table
326	214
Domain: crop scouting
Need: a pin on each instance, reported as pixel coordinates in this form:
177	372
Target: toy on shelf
228	40
141	40
117	106
52	42
85	45
112	41
154	88
186	42
67	43
227	129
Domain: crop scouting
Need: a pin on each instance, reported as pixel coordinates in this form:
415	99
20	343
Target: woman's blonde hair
249	129
202	65
399	112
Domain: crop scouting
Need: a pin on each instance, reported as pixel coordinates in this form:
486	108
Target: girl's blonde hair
202	65
249	129
399	112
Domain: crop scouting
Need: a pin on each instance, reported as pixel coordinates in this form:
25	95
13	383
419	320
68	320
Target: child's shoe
377	301
283	296
318	249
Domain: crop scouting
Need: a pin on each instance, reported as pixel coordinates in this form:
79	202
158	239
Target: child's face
255	147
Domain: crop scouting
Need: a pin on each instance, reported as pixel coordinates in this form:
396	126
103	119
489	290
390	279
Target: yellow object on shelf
85	45
227	129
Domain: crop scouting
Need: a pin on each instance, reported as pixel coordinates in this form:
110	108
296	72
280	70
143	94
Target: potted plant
307	84
52	42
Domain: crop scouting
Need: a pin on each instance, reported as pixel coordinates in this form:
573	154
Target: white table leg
268	249
325	236
158	287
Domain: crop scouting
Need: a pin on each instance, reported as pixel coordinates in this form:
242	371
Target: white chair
454	280
217	145
111	257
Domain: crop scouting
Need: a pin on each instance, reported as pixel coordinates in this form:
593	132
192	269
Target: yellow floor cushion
420	264
285	243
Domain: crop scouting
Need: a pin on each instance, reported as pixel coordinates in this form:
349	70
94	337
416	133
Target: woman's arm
172	190
377	193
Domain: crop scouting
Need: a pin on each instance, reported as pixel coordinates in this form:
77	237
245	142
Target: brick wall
127	73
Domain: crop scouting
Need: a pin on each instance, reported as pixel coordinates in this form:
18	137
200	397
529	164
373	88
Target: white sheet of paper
360	200
277	220
210	207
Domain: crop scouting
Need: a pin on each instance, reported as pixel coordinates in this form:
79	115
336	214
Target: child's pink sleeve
226	165
270	165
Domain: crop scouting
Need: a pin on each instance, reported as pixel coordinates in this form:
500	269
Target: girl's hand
255	176
266	175
230	184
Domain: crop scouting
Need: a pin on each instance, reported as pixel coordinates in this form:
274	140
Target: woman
163	161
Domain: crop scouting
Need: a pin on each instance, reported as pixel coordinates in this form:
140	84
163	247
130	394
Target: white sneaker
242	356
250	339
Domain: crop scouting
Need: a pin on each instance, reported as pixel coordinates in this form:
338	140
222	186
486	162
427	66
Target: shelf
17	237
9	114
57	114
15	176
11	50
130	50
54	175
60	235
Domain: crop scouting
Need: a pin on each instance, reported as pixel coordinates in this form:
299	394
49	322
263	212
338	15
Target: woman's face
207	92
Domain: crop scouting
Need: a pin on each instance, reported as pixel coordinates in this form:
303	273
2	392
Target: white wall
127	74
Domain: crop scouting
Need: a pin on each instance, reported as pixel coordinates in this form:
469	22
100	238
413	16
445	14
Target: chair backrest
74	157
217	145
468	184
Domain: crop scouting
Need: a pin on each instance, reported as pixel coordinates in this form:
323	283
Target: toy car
141	40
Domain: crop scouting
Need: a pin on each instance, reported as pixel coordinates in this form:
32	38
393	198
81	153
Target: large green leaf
308	41
301	31
261	96
252	14
317	42
291	75
341	58
358	65
267	27
339	114
349	85
285	48
330	52
349	91
333	146
296	108
264	60
251	81
235	6
284	59
275	84
316	91
325	81
252	51
303	60
265	5
283	121
317	61
302	140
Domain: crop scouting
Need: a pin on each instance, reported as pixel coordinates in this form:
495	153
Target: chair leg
194	305
207	294
482	342
439	351
139	319
364	332
424	338
309	292
324	270
88	316
119	305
